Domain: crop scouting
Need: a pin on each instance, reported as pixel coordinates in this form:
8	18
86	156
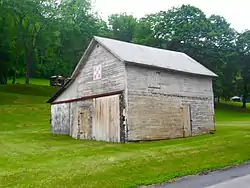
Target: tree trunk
28	67
244	105
14	77
244	99
14	70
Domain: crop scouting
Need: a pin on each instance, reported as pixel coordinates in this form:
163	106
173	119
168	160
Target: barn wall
70	93
60	119
154	97
112	80
112	74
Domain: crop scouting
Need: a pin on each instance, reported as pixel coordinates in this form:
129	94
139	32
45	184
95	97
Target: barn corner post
190	119
123	138
50	120
213	131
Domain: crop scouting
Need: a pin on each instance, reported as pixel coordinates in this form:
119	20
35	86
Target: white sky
236	12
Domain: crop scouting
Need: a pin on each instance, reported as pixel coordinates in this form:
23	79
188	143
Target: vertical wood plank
106	118
74	131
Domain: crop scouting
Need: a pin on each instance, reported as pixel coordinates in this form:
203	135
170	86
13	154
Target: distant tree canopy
44	38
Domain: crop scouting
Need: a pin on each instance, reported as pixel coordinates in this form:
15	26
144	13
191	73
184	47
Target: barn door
84	124
187	121
106	118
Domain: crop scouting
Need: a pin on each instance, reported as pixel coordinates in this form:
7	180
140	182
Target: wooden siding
155	118
106	118
60	119
159	104
112	76
111	80
151	101
96	119
70	93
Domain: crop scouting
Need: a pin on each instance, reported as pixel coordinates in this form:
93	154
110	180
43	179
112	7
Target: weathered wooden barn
121	92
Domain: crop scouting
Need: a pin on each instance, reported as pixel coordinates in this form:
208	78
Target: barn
122	92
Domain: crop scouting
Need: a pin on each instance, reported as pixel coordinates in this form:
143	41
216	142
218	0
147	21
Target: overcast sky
236	12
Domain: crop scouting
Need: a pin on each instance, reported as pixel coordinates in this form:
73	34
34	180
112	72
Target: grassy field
31	157
34	81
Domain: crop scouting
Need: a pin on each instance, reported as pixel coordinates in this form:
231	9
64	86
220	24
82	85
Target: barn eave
60	91
169	69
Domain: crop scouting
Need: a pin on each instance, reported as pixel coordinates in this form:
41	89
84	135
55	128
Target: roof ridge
152	56
131	43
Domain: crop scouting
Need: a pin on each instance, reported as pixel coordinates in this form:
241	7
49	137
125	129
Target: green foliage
31	156
44	38
209	40
122	26
243	44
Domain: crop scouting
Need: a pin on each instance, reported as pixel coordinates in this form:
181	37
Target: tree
243	44
49	37
29	18
5	54
77	25
122	26
145	34
210	41
219	48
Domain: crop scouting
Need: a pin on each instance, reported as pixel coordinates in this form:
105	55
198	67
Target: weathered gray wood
112	78
106	118
150	114
156	102
75	118
113	74
60	119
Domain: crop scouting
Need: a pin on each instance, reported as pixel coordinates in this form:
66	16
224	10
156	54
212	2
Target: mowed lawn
34	81
31	157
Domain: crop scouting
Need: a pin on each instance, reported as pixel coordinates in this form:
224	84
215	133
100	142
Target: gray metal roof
145	55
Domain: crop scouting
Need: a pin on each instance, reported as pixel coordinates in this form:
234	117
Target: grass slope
31	157
35	90
34	81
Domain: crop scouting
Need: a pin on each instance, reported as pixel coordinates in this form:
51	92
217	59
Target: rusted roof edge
88	97
60	91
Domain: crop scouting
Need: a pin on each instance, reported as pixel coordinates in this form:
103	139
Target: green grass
34	81
235	104
32	157
35	90
230	112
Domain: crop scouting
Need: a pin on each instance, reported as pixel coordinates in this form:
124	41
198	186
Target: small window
154	80
97	72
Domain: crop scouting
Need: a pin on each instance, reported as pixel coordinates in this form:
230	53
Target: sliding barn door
106	118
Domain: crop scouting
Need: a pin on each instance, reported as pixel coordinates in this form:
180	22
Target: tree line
41	38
